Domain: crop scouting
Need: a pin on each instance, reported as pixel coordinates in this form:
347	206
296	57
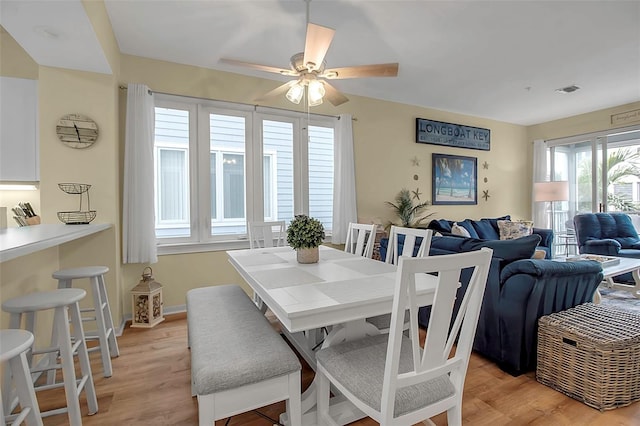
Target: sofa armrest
607	247
541	268
546	236
532	289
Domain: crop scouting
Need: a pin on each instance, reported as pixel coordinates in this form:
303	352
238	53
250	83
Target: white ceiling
496	59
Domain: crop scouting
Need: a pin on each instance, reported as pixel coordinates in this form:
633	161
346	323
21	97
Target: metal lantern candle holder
147	301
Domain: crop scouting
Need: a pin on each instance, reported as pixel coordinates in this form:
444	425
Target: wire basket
74	188
77	217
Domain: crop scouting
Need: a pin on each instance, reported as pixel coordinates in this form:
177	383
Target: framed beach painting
454	179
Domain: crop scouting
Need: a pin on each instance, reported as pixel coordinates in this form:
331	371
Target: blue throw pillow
485	229
494	221
509	250
468	225
440	225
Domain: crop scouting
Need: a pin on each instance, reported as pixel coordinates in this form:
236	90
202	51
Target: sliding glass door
603	171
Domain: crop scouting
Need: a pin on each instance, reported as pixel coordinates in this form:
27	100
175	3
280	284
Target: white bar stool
14	345
65	303
105	333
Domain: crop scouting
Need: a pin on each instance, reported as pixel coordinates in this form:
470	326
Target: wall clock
77	131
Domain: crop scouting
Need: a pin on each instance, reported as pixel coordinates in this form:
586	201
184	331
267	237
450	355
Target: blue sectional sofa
519	291
487	229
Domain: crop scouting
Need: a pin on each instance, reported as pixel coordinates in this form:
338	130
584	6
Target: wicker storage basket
591	353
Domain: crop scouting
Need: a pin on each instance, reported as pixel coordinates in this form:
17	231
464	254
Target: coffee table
626	264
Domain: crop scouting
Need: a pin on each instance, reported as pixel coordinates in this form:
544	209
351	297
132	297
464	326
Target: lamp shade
315	91
295	92
551	191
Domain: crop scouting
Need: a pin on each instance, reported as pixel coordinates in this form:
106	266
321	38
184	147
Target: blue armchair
608	234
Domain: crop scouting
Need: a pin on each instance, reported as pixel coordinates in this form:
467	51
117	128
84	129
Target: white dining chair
262	235
360	239
266	234
410	236
389	376
382	322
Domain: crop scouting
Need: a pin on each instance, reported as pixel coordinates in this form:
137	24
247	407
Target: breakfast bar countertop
16	242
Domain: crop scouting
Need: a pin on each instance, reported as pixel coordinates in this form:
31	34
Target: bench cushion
232	343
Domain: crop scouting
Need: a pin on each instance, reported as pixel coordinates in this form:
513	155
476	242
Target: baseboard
166	311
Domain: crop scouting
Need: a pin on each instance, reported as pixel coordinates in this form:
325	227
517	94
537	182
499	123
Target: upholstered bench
238	361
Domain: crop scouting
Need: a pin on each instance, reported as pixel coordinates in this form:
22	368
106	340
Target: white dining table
339	292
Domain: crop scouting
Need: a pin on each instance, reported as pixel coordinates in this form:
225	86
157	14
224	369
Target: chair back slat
410	237
266	234
360	239
436	358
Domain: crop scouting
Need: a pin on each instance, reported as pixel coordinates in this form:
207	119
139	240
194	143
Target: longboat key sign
455	135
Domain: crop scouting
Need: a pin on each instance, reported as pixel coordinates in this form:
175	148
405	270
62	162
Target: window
219	165
172	172
321	174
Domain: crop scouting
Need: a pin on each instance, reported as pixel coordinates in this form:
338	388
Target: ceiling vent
568	89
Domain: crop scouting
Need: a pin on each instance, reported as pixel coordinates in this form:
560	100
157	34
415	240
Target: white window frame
201	239
273	159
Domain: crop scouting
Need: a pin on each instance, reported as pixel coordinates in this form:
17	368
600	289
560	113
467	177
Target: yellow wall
384	137
14	61
581	124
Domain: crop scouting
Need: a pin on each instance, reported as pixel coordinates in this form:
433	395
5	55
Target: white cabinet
19	159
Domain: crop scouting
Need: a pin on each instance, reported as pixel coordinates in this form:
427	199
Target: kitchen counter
16	242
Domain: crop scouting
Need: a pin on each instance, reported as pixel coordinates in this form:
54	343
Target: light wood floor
150	386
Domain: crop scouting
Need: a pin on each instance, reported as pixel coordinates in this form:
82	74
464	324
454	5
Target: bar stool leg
83	359
7	397
29	324
68	369
52	357
9	400
102	331
26	394
108	320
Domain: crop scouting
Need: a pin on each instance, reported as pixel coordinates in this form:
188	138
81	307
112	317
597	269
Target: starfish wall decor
416	194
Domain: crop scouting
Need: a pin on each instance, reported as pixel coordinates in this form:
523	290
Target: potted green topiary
409	214
305	234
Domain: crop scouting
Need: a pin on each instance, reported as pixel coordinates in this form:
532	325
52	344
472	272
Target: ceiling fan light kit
295	93
309	67
315	92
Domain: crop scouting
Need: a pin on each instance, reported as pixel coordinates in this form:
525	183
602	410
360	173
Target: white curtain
138	217
538	209
344	181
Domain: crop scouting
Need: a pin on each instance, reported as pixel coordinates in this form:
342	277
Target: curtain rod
122	87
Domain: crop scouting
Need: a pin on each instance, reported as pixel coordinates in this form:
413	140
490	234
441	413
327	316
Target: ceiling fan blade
316	45
266	68
377	70
333	95
276	92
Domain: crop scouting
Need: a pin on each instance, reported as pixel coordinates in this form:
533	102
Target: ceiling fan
310	69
